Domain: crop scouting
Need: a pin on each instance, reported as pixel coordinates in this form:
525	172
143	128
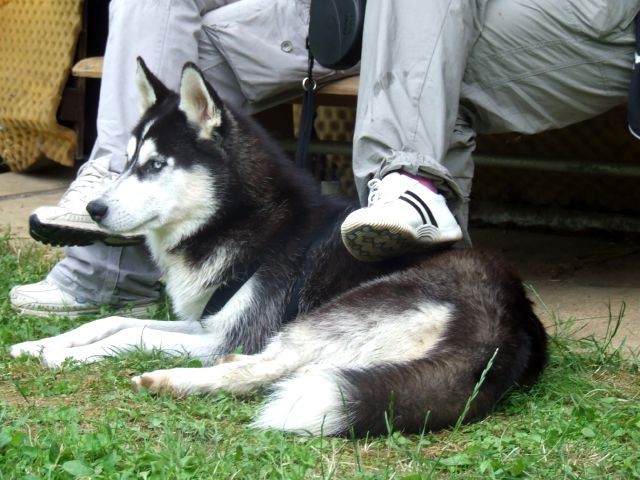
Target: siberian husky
267	295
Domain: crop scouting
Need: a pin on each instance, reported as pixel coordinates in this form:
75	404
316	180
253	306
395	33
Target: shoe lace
91	182
375	192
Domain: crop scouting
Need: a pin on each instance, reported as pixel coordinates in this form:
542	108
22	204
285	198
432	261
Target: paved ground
575	277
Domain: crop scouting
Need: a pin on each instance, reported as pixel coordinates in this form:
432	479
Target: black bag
334	41
335	32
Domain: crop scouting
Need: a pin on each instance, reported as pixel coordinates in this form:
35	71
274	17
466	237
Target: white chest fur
191	286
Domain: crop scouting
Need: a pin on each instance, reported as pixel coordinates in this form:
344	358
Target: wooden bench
346	87
90	67
343	92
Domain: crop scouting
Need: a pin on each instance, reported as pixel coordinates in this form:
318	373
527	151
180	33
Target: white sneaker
68	223
45	298
403	216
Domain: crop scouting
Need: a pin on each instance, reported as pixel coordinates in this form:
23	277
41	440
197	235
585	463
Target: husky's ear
150	88
199	102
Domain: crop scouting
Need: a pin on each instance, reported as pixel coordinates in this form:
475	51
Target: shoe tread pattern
58	236
376	242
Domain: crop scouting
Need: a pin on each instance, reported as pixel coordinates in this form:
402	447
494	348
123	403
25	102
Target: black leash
224	293
335	40
633	106
308	114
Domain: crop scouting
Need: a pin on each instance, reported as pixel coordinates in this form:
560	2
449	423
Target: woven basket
37	45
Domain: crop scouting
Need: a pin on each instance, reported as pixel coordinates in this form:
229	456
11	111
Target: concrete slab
14	213
12	184
579	278
584	279
20	194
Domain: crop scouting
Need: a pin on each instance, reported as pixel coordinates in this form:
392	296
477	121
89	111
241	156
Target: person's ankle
422	180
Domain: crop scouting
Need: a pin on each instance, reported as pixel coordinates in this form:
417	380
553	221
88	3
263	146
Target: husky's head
177	168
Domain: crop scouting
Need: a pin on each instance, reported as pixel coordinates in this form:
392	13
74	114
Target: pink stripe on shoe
424	181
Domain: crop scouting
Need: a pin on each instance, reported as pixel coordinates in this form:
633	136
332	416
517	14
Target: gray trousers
430	79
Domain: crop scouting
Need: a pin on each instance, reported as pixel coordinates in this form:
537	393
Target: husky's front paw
155	382
175	381
54	357
32	349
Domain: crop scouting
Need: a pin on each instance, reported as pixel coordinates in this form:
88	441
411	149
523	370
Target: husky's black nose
97	210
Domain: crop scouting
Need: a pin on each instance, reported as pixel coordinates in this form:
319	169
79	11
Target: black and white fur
399	341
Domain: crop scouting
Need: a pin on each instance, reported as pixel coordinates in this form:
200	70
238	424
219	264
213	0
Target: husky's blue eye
157	164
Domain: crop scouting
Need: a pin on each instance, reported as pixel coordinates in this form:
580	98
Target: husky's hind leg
234	373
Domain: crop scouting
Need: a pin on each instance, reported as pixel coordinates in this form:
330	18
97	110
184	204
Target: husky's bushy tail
429	393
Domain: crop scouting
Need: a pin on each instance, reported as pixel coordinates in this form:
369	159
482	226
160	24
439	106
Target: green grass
581	421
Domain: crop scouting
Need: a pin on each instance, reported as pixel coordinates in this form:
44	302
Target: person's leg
169	38
544	64
413	62
536	65
165	33
459	162
262	43
541	65
108	275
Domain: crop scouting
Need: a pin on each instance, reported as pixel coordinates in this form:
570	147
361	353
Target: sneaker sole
377	241
134	311
61	236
